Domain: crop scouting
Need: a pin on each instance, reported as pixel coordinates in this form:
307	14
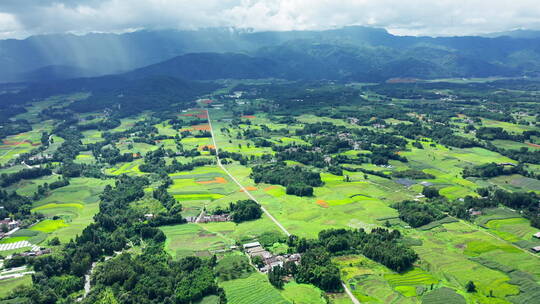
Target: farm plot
74	205
131	168
14	145
193	239
302	294
7	286
305	217
254	289
447	251
513	229
516	183
203	186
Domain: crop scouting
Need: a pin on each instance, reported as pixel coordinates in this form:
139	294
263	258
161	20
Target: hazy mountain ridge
355	53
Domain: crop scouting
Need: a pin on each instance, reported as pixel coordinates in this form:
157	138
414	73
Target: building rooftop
251	245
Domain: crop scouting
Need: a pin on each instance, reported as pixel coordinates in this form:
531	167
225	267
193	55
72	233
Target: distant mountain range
351	53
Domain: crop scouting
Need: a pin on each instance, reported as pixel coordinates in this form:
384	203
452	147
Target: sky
22	18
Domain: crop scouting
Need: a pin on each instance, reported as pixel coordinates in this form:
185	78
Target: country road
347	291
237	182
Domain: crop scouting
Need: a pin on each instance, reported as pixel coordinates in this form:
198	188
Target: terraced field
193	239
252	290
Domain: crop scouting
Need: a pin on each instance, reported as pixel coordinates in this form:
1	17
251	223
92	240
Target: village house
473	212
215	218
270	261
40	157
191	219
210	218
537	235
536	249
10	224
353	120
40	251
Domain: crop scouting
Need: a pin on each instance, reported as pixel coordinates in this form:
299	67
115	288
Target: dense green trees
12	178
381	245
13	127
489	133
430	192
153	277
17	206
298	181
417	214
274	276
245	210
492	170
317	268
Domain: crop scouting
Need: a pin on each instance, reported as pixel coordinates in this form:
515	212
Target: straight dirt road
347	291
237	182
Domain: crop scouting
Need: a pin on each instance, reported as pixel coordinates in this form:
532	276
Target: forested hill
132	95
353	53
305	60
211	66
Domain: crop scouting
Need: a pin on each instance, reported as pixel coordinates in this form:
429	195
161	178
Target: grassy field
131	168
302	294
306	216
513	229
451	252
443	295
7	286
193	239
49	226
14	239
74	204
510	127
446	253
516	183
446	249
254	289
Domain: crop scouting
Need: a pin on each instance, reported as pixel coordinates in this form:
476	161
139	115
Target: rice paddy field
131	168
510	127
194	239
254	289
448	250
12	146
74	205
302	294
15	145
492	249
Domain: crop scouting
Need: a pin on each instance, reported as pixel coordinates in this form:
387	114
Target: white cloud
416	17
9	26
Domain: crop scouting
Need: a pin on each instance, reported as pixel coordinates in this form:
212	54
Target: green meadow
7	286
254	289
193	239
491	249
74	205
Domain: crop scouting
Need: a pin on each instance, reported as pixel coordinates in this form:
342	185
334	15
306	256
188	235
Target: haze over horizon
23	18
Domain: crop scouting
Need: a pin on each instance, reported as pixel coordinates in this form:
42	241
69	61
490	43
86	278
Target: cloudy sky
21	18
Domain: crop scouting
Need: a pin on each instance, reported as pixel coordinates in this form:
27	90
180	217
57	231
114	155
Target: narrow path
198	219
347	291
237	182
88	276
